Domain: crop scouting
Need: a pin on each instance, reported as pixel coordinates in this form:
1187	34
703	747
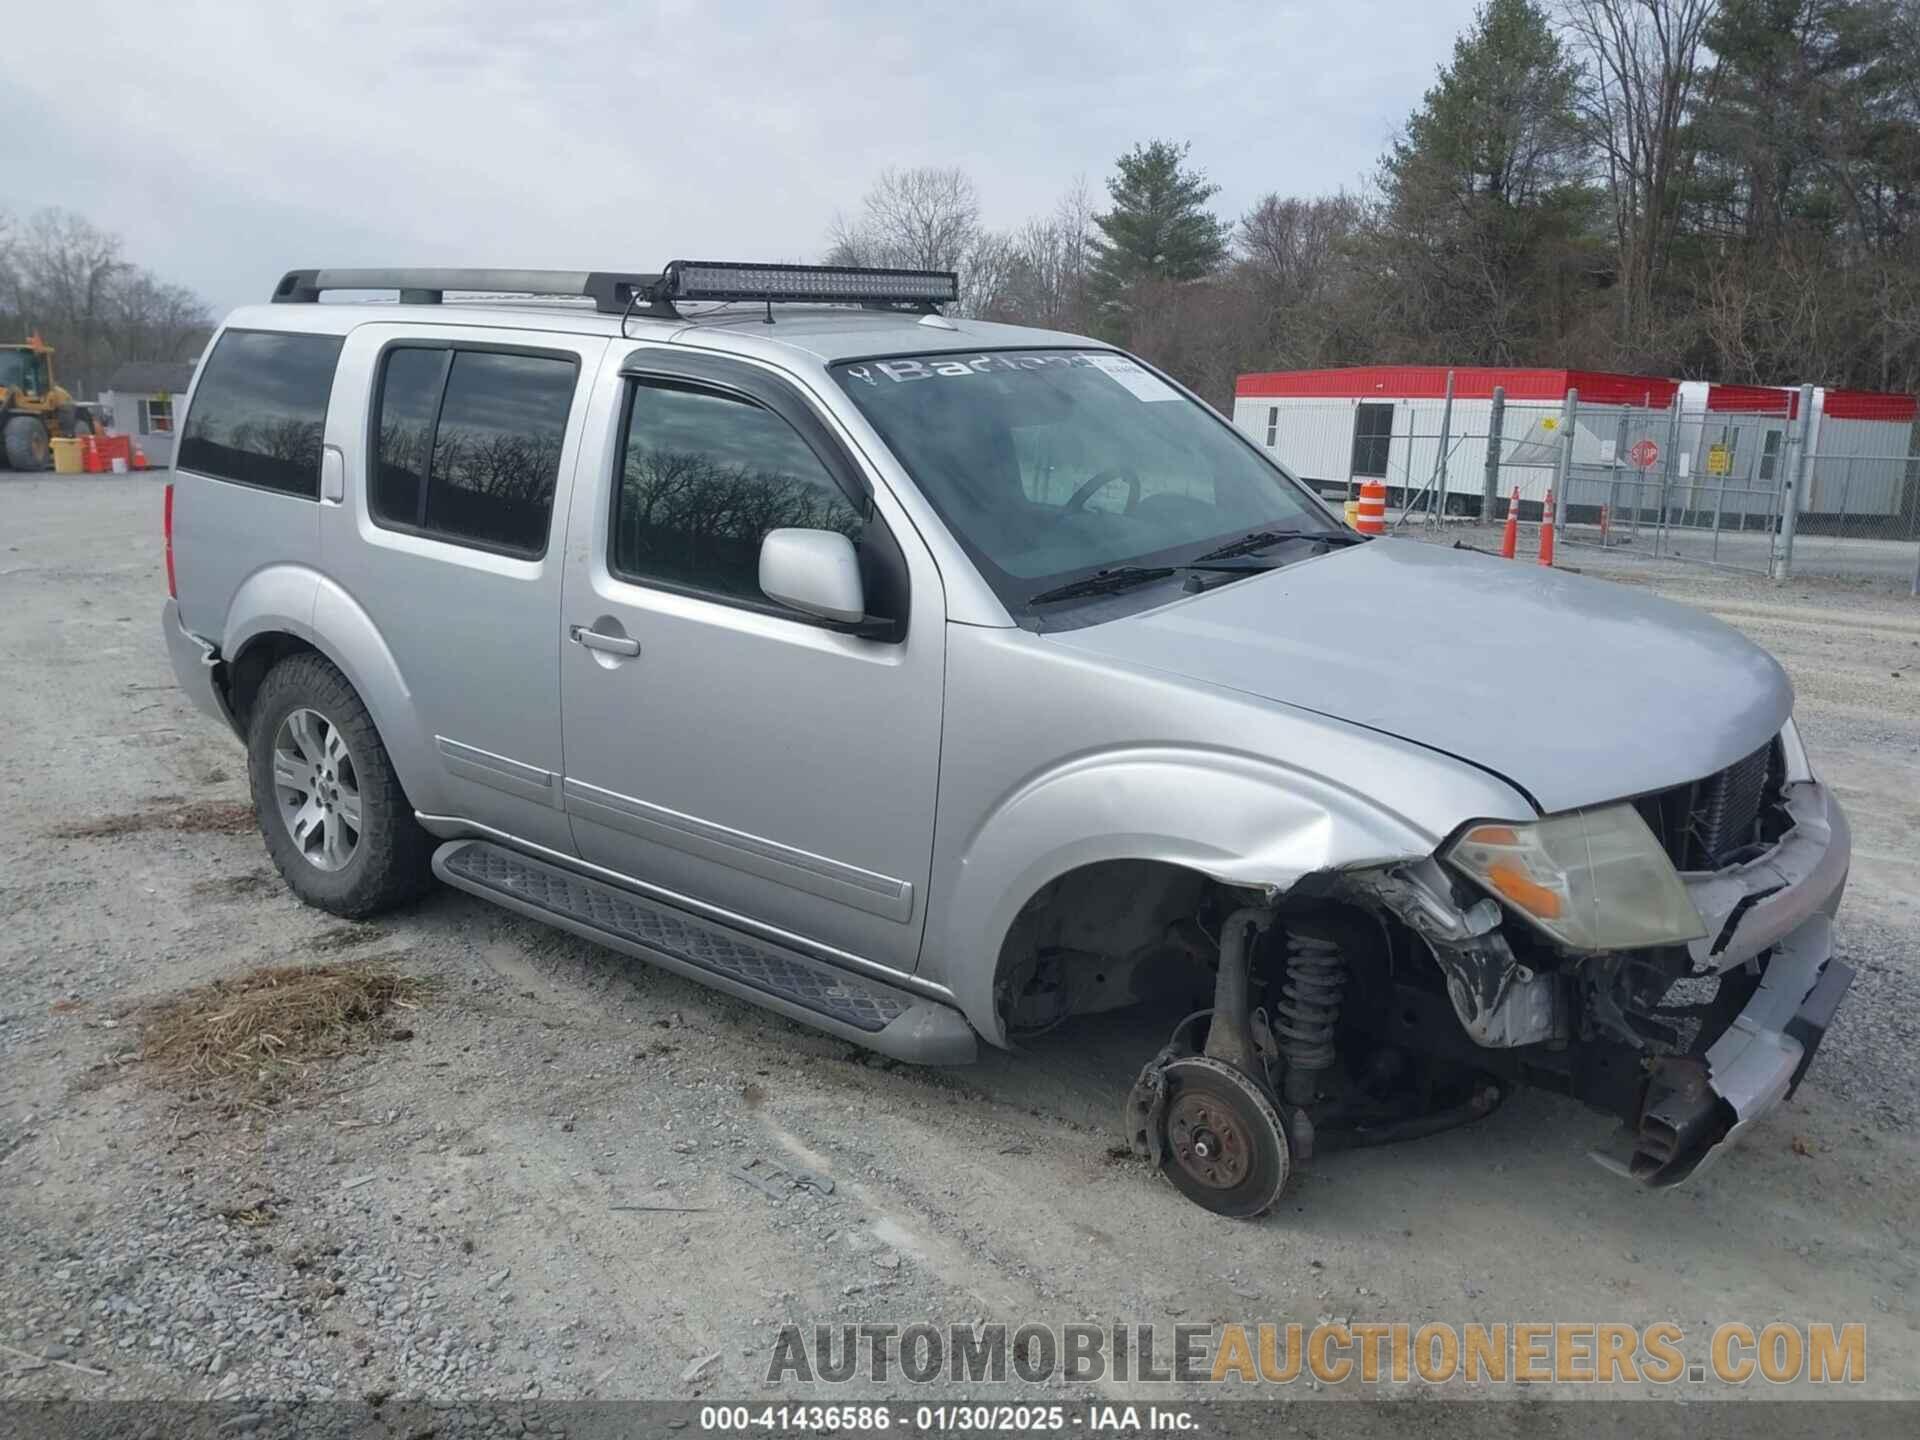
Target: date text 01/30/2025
873	1419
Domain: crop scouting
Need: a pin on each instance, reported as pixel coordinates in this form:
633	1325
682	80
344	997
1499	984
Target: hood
1578	691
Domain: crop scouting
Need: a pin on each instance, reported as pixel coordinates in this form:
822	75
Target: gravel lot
439	1217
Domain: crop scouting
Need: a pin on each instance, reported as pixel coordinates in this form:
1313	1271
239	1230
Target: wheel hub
317	786
1209	1142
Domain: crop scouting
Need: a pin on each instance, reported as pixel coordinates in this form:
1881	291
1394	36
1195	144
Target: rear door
720	747
449	535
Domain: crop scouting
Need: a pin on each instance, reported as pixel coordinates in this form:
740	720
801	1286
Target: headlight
1592	879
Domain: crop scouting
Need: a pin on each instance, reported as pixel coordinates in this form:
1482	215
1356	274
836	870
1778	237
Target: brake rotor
1223	1142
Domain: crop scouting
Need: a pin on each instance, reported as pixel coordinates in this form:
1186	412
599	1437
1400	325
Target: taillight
173	590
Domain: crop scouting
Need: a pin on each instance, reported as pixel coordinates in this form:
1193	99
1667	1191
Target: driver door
725	750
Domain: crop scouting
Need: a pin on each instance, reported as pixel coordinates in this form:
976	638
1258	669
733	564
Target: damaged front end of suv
1666	960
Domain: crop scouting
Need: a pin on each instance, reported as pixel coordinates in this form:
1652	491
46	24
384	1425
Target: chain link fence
1771	490
1701	485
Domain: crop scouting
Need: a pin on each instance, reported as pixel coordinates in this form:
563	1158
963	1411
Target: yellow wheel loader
33	409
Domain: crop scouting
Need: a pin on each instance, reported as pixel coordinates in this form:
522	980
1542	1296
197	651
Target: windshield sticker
1137	380
1142	383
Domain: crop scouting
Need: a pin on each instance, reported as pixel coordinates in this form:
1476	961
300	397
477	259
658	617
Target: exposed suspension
1308	1011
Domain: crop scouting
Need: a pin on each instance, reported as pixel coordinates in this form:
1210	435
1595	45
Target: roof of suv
825	332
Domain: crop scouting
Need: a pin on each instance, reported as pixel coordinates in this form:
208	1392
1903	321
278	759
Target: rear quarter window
260	411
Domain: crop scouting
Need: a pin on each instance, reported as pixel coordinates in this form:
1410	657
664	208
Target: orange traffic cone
90	460
1510	537
1370	515
1546	531
139	458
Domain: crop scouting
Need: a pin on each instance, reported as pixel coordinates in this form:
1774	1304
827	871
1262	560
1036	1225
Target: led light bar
823	284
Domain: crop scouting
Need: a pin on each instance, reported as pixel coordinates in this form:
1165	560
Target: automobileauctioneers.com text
1329	1353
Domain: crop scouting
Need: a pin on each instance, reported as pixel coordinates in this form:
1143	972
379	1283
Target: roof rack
623	293
611	291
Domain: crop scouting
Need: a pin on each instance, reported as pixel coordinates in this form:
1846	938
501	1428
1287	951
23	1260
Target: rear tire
336	822
27	447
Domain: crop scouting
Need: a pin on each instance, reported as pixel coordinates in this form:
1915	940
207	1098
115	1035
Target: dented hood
1578	691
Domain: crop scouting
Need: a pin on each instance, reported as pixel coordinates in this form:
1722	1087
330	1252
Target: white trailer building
1638	439
1336	428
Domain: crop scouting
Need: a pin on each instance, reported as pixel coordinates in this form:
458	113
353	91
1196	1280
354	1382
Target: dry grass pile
254	1034
203	817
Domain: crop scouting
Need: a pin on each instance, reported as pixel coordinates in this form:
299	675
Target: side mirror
813	570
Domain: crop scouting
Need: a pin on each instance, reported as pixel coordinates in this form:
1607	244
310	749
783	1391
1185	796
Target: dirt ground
442	1215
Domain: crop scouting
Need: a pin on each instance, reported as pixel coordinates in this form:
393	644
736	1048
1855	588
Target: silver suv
927	680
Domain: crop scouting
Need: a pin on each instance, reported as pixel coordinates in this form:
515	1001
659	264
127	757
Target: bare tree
1643	73
1048	263
66	269
64	277
927	218
9	275
924	219
987	270
1295	272
1292	246
153	320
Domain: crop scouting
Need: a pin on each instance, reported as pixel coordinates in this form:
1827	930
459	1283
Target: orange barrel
1370	513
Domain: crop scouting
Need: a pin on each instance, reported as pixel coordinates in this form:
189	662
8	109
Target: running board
868	1012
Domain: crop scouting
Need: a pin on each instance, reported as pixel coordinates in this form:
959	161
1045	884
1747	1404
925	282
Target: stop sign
1645	454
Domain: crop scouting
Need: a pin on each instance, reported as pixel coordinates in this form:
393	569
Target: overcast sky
228	142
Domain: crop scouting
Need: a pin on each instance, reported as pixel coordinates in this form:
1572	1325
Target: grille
1727	805
1705	825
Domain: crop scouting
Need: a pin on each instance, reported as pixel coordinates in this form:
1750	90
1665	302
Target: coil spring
1309	1005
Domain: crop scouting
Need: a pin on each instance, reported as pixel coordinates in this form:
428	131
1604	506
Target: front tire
26	441
336	822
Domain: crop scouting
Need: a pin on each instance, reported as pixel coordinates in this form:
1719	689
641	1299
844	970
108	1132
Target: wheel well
247	669
1098	938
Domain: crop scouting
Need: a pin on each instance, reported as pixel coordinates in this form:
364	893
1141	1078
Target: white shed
145	399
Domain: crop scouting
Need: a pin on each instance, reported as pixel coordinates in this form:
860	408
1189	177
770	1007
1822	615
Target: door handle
611	644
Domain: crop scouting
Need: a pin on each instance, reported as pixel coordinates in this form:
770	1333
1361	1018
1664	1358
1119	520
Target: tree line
1724	189
66	279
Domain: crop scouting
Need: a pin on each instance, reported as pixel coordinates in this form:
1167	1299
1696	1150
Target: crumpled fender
1239	819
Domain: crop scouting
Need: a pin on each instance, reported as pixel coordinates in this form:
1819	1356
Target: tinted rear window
261	409
468	443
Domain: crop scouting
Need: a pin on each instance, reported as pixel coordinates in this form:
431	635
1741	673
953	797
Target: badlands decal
1135	379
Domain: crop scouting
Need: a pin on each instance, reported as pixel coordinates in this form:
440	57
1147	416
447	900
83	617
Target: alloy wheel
317	786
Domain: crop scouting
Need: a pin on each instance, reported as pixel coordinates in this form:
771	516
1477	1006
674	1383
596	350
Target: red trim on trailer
1602	387
1753	400
1869	405
1470	382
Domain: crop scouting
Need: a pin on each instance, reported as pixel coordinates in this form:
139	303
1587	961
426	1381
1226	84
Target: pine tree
1484	213
1159	227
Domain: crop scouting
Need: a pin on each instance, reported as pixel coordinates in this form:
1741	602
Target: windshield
1051	465
15	369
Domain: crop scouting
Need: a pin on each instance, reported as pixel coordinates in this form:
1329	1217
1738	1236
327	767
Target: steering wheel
1093	485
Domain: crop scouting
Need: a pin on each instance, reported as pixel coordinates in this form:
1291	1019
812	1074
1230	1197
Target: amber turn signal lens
1523	890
